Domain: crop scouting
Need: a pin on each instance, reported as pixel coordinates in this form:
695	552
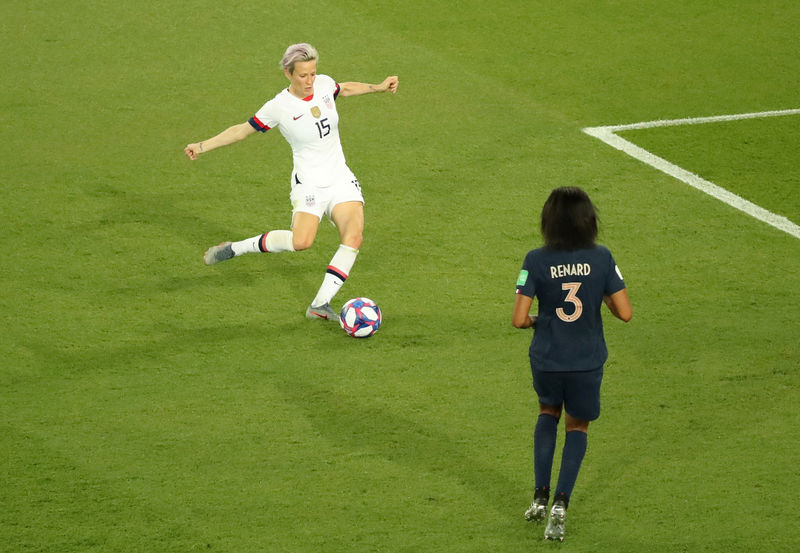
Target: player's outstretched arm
389	84
620	305
228	136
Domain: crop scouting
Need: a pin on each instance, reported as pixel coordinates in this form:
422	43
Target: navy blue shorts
578	391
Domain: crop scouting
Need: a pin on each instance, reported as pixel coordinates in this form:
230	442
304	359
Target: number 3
572	297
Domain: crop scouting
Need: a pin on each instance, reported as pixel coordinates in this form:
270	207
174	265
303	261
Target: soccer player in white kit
322	183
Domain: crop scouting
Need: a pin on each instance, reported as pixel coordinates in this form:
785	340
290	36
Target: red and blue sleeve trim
336	92
258	125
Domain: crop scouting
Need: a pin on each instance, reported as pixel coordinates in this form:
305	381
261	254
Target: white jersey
311	127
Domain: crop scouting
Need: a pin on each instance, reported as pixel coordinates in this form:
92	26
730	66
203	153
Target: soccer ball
360	318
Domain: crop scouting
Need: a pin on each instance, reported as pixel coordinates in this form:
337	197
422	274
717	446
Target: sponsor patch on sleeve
523	278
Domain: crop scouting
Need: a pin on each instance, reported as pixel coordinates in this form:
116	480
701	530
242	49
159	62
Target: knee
352	235
580	425
300	242
353	240
552	410
578	428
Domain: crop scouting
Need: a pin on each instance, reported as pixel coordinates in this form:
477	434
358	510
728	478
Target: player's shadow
363	426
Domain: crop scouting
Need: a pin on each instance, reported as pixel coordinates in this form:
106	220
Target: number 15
323	125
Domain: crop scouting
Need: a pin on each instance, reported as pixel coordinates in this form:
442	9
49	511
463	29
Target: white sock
273	241
338	270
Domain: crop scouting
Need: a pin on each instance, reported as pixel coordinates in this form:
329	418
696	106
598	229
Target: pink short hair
298	52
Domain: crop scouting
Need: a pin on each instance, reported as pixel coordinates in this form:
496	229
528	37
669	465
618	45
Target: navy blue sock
571	459
544	447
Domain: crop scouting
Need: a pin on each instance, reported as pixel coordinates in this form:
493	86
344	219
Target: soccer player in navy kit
571	277
322	183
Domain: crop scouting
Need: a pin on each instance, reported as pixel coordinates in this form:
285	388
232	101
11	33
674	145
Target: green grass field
151	403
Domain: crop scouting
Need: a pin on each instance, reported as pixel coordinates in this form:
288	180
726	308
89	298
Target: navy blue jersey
569	286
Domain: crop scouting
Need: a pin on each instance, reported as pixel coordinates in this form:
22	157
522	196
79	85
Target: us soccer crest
327	100
315	111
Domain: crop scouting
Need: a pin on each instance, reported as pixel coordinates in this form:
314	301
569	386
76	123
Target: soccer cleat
538	509
322	312
556	522
215	254
536	512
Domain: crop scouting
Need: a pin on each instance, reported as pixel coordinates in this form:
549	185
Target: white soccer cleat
215	254
557	522
537	511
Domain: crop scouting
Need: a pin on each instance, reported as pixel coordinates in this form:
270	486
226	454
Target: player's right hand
192	151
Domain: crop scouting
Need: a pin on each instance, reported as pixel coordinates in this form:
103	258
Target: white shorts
309	198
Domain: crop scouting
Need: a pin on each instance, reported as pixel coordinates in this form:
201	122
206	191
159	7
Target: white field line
607	135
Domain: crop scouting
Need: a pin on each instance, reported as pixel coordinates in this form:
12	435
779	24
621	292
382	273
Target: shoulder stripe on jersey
258	125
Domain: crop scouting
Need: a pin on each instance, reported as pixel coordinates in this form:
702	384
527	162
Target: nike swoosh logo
298	117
